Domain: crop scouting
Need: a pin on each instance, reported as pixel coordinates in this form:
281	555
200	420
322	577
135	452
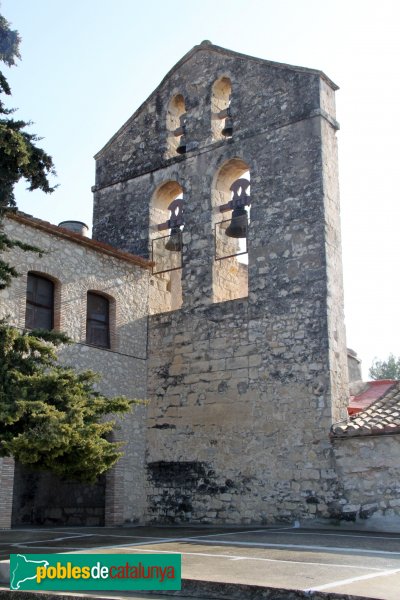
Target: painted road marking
345	535
299	547
352	580
259	558
244	544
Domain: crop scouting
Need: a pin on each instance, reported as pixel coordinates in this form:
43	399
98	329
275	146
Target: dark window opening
39	303
97	321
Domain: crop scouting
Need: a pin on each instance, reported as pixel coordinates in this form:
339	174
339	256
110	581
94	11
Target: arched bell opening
231	213
166	226
221	114
176	126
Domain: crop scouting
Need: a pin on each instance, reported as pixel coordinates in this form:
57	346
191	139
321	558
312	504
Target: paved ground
344	561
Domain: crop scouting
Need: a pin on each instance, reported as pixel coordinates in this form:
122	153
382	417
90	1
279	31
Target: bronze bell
181	149
174	243
228	127
238	225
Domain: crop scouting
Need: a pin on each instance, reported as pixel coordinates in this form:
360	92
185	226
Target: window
97	320
231	202
167	206
176	126
221	116
39	303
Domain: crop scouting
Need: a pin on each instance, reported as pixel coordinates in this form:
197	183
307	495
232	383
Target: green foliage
385	369
19	156
51	417
9	43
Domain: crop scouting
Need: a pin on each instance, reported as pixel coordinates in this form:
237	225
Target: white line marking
264	530
351	580
165	540
345	535
139	544
252	545
274	560
59	539
297	547
197	537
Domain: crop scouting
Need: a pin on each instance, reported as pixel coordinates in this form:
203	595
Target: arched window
231	203
221	118
39	303
166	226
98	320
176	126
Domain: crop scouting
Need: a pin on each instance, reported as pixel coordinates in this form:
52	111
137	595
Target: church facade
220	200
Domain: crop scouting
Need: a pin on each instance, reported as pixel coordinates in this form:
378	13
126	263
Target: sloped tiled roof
373	390
382	417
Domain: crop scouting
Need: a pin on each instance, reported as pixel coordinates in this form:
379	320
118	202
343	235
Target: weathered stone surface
244	363
76	269
255	382
369	471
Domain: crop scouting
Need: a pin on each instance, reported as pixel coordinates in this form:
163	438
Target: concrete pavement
359	563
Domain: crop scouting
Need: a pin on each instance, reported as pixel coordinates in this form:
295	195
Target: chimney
76	227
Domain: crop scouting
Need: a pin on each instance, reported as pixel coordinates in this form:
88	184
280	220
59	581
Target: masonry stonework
77	266
243	360
242	392
369	471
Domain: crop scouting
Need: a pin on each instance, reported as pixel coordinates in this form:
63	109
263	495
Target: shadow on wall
41	498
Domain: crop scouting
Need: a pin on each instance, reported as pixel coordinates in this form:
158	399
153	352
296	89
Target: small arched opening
176	126
166	226
231	213
221	117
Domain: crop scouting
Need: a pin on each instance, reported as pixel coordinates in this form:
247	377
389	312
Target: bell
228	127
181	149
238	225
174	243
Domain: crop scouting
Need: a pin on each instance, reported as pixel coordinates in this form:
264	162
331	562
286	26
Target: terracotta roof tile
374	390
382	417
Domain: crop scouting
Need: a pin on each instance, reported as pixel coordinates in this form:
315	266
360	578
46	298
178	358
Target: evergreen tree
19	156
385	369
51	418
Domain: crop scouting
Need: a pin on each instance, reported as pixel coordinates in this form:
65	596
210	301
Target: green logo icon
95	572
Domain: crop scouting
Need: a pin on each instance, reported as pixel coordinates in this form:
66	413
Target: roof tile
382	417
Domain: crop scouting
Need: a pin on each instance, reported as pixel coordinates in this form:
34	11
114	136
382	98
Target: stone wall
369	471
242	392
354	366
6	481
230	280
77	268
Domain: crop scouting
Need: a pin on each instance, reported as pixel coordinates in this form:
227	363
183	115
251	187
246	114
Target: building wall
243	392
369	470
354	366
77	269
6	497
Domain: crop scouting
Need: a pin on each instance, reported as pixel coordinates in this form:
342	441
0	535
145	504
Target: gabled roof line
208	46
61	232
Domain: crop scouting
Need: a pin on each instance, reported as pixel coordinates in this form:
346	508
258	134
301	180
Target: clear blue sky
88	64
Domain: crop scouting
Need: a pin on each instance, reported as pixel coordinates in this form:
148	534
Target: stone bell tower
227	178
